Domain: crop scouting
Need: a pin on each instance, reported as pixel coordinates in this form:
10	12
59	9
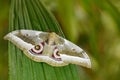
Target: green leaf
32	14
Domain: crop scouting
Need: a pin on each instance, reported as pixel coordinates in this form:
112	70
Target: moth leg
76	60
17	41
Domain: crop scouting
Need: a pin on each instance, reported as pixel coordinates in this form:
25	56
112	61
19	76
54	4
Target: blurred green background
94	25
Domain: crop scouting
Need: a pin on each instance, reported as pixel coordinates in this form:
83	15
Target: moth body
48	47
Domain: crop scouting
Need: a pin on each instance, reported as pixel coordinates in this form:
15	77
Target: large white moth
48	47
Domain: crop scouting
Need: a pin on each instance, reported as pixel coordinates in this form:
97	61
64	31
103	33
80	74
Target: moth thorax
52	38
48	50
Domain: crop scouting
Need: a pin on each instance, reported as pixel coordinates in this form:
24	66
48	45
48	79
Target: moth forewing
18	42
71	49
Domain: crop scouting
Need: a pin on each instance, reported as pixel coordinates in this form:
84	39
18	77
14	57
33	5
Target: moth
48	47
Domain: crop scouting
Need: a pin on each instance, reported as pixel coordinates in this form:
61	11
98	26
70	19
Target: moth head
37	49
